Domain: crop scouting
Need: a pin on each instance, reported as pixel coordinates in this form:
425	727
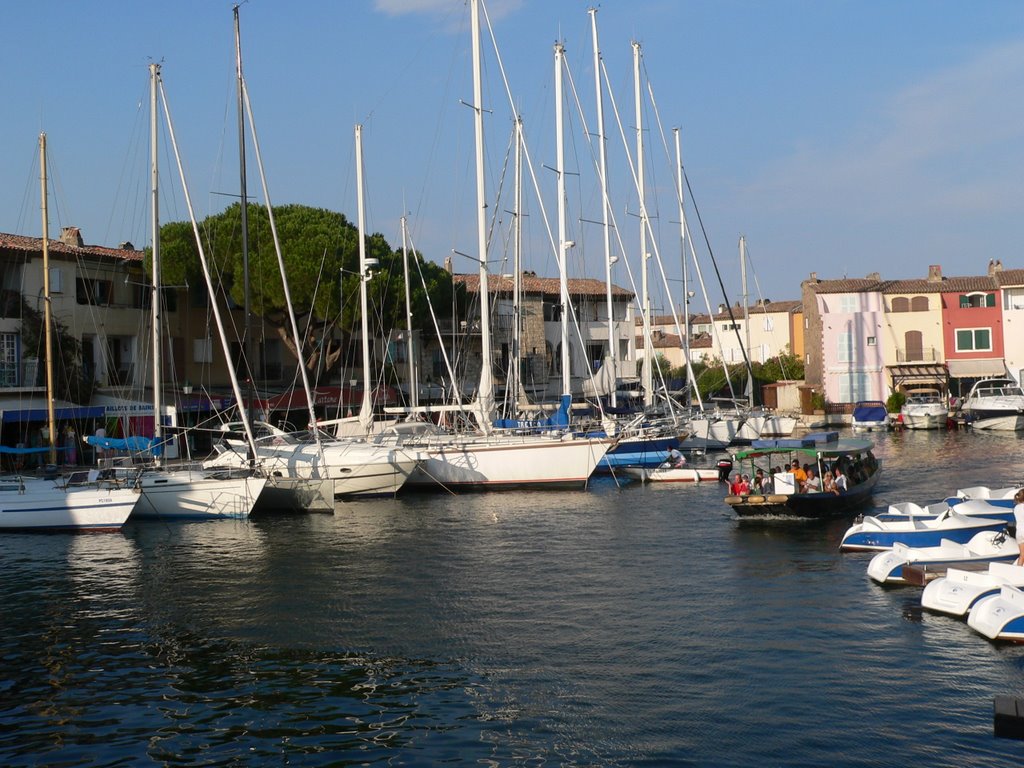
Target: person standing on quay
1018	517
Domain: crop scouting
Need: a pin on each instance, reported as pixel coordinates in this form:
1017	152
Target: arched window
919	304
900	304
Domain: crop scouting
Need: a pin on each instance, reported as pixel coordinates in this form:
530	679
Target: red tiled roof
772	307
1010	277
660	341
946	285
849	285
578	286
34	245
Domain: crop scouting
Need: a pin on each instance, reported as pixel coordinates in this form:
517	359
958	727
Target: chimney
935	273
126	246
448	265
997	267
874	276
814	277
71	236
721	308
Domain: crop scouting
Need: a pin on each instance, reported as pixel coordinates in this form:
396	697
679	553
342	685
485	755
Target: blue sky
839	137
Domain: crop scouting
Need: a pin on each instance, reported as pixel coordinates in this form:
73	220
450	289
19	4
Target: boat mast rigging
51	419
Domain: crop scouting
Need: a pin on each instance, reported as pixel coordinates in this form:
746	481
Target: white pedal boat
872	534
985	547
1000	616
958	591
907	510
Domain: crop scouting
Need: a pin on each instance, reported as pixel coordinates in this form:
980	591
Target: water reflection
613	627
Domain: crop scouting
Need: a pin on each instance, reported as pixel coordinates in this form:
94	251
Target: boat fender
776	499
755	499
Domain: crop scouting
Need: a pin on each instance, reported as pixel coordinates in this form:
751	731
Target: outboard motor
724	469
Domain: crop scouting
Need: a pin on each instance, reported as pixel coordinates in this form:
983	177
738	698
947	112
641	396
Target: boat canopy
832	448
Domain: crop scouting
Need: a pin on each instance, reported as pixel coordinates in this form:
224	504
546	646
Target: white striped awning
972	369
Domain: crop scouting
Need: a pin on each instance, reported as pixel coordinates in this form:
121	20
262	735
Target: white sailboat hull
357	469
42	505
508	463
187	495
297	494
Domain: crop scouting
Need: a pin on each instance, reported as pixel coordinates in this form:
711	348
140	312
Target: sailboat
327	467
490	459
181	493
82	501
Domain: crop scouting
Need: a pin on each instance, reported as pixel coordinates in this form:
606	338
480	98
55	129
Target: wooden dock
919	575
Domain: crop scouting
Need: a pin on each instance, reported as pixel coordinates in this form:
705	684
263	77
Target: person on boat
745	486
799	475
840	485
828	483
736	488
1018	517
812	484
675	458
760	482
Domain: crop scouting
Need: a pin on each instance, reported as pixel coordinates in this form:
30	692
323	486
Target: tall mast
691	384
243	198
47	310
414	388
485	395
214	305
366	409
563	244
158	429
613	351
517	273
649	359
746	320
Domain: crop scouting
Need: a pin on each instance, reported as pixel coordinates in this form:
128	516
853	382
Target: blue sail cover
558	420
44	449
134	444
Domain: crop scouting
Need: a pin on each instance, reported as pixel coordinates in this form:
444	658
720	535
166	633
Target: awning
35	409
972	369
918	373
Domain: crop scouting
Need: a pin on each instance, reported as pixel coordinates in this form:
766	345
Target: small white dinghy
670	474
872	534
959	590
1000	616
985	547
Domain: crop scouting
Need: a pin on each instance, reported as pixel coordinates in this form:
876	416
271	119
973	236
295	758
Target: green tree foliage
321	255
713	382
780	368
895	402
70	381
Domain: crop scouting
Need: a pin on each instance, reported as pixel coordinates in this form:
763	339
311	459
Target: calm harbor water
634	626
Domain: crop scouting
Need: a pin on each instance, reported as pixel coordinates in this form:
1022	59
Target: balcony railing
916	355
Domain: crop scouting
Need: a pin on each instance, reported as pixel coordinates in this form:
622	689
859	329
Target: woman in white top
1018	517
